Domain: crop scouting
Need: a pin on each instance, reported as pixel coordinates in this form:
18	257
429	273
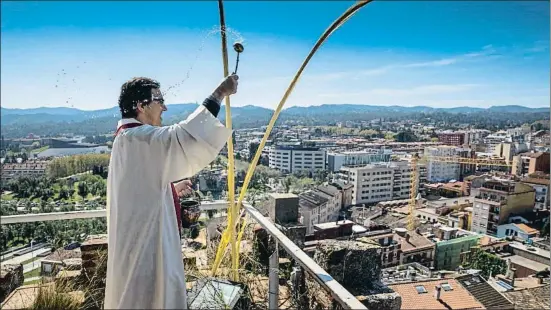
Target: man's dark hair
133	92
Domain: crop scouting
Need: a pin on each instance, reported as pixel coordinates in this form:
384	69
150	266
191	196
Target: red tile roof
456	298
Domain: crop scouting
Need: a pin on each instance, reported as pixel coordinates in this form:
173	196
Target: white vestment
145	267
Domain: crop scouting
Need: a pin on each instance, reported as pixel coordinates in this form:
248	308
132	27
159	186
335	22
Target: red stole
175	198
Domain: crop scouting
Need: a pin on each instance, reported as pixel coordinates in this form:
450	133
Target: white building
439	171
541	186
519	131
320	205
475	136
336	160
293	159
493	140
379	182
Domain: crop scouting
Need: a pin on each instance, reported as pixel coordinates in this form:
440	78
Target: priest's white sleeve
192	144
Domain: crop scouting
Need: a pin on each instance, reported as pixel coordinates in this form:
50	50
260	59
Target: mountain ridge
55	121
347	107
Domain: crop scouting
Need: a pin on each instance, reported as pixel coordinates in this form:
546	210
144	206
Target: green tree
405	136
83	189
489	264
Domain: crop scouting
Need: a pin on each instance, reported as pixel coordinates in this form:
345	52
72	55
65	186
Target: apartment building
320	205
519	131
496	201
291	159
540	183
508	150
346	192
438	171
379	181
496	138
475	135
29	168
532	162
401	182
450	243
338	159
452	138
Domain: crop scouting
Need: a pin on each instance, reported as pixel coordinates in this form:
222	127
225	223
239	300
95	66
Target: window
47	268
447	287
420	289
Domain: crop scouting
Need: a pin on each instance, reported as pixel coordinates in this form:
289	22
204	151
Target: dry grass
253	269
78	291
56	297
253	274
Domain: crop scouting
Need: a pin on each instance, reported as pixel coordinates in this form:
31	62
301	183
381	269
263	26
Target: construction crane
416	160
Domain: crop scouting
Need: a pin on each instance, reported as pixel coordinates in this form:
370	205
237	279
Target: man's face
155	108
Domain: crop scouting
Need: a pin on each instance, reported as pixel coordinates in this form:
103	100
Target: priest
145	267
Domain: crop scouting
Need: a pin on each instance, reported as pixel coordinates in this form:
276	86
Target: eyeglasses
160	100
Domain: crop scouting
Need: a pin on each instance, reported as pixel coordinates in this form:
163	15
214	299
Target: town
401	213
379	155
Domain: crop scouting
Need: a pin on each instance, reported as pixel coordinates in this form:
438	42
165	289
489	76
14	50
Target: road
56	216
24	257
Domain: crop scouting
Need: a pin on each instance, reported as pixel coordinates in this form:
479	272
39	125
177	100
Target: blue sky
434	53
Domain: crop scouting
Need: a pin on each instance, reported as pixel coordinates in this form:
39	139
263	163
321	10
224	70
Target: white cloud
539	46
423	90
487	52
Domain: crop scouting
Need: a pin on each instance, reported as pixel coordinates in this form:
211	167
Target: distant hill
354	108
516	108
44	121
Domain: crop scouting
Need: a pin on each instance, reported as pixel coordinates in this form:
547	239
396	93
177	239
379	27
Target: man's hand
183	188
226	88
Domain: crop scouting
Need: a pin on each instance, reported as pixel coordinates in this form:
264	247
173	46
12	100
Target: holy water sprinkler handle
238	47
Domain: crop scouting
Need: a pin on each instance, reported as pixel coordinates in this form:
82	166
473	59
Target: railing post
303	297
273	288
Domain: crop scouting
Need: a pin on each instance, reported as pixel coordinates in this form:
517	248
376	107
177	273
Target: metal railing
334	288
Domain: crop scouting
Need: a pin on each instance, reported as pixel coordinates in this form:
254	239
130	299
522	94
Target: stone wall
10	279
354	264
94	270
283	208
296	232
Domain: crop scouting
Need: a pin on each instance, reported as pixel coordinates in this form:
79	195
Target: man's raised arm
194	143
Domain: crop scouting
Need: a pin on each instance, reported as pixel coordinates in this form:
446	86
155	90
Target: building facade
320	205
290	159
496	201
452	138
378	182
438	171
541	185
528	163
451	243
336	160
29	168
